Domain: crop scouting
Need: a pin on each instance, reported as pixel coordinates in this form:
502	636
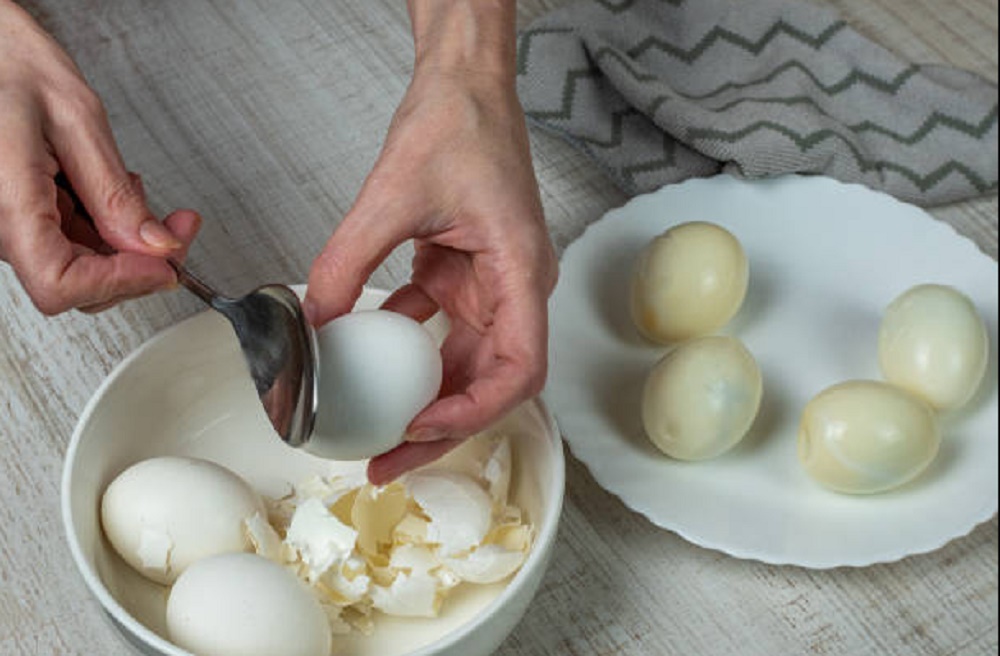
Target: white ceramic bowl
185	392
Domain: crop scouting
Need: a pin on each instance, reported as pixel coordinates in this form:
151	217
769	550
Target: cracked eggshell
687	282
164	513
933	343
320	539
245	605
377	370
265	540
459	509
376	512
487	563
416	589
866	436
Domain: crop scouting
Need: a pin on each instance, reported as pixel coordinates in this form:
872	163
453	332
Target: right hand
51	122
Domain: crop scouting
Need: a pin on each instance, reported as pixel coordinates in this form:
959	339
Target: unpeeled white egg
164	513
933	343
866	436
701	398
377	370
688	282
245	605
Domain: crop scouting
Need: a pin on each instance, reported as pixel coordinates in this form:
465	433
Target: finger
58	274
413	302
25	169
513	372
406	457
101	307
81	231
358	245
185	225
482	403
83	143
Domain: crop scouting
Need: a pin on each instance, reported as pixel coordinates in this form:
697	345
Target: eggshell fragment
701	398
321	540
488	563
245	605
377	370
164	513
688	282
933	343
460	510
265	540
376	511
416	590
863	436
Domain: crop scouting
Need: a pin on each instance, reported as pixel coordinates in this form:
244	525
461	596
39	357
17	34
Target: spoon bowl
279	347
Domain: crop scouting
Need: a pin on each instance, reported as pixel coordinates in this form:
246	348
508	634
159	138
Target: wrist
473	40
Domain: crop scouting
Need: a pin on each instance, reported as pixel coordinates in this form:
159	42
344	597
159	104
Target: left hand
455	175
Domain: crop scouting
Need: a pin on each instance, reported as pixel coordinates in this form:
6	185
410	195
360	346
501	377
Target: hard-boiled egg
688	282
701	398
377	370
164	513
245	605
866	436
934	343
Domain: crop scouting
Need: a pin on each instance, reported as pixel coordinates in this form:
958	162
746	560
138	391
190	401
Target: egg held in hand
933	343
688	282
701	398
164	513
245	605
377	370
866	436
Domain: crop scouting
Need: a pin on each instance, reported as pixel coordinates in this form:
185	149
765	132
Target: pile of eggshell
251	576
860	436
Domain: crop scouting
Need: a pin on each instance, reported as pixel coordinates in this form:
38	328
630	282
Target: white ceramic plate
825	260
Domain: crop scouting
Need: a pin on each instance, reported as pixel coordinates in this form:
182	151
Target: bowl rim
549	521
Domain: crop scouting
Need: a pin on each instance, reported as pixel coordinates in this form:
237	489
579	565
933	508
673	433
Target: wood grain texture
266	116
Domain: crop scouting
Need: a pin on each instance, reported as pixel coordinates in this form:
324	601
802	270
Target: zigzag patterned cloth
656	91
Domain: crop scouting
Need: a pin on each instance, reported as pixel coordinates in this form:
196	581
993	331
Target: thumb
358	245
114	198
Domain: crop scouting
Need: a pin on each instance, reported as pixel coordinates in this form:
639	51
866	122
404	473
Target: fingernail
426	435
156	235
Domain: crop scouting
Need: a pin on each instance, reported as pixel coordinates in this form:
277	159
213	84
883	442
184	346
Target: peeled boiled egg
934	343
701	398
688	282
164	513
866	436
377	370
245	605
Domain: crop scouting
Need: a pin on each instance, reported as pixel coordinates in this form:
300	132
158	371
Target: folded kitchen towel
657	91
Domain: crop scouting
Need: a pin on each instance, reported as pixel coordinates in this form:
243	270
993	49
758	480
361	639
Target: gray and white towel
657	91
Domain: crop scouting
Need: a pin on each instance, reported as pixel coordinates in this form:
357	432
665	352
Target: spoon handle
194	284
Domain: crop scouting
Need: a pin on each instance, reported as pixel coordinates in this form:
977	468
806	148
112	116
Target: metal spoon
279	347
277	341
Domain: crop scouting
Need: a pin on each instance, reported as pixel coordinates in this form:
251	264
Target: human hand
52	122
455	175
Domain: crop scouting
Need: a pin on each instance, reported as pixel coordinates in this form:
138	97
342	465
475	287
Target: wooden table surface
266	116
